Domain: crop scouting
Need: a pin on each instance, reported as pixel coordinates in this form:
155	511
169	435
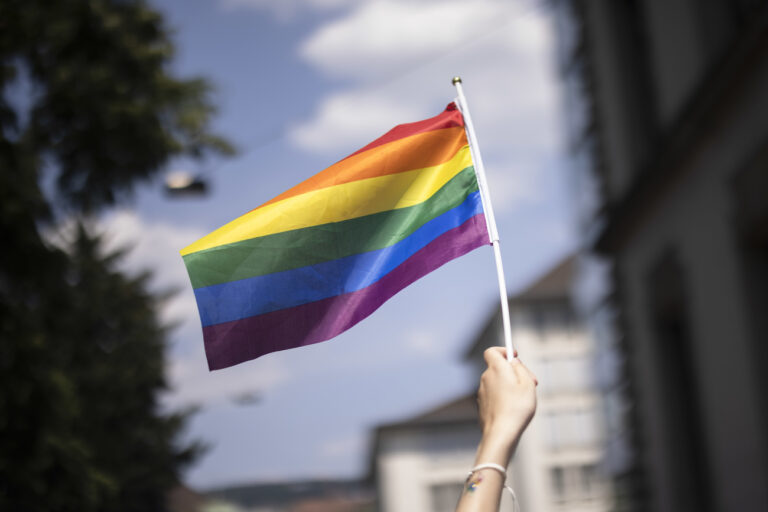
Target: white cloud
193	384
512	182
399	68
422	341
383	37
399	57
508	111
146	246
346	121
285	9
276	4
155	246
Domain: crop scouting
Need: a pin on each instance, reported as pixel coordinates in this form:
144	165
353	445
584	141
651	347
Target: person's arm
506	402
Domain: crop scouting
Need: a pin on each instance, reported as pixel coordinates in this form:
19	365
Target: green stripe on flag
316	244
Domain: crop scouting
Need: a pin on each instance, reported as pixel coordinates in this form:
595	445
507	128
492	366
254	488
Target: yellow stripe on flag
337	203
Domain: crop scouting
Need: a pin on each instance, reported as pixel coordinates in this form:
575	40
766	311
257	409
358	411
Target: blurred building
668	130
422	463
183	499
557	462
291	496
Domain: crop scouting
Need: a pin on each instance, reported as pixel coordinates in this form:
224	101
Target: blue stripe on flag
261	294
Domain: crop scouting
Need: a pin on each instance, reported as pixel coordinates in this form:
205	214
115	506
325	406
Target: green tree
88	109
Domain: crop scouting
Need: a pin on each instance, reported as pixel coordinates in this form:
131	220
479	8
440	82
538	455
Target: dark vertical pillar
683	441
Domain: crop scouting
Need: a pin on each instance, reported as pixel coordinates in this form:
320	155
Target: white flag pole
490	219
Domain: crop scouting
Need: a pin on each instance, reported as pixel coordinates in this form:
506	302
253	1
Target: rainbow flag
320	257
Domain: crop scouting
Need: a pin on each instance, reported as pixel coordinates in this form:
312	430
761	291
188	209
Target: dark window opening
679	403
750	189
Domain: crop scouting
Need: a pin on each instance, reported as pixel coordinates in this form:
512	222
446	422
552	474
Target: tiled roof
554	284
460	409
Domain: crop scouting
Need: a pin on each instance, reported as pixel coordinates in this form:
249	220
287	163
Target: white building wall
566	431
411	463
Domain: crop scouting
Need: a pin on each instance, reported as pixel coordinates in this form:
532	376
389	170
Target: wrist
496	447
503	432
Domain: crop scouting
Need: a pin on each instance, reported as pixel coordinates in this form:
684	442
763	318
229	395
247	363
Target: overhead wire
285	128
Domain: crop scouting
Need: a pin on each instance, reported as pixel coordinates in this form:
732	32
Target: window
679	399
589	479
570	428
750	187
553	320
575	482
557	475
445	496
564	374
539	319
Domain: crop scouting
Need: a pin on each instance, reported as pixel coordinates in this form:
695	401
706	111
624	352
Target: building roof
333	505
554	284
460	409
183	499
283	495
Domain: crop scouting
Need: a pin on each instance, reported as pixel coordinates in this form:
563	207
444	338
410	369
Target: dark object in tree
184	184
89	108
103	105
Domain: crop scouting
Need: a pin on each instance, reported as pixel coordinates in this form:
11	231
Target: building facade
558	461
422	463
668	134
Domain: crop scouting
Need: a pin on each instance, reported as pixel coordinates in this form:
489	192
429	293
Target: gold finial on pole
456	80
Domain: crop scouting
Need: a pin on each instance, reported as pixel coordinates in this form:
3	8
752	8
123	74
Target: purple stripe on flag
231	343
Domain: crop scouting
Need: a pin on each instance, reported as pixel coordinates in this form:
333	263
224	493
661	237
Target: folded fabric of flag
323	255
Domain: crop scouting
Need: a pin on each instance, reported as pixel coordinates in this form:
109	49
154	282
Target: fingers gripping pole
490	219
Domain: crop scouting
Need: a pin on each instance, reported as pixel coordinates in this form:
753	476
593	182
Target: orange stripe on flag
414	152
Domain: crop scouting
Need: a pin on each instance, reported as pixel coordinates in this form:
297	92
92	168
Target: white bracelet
490	465
501	469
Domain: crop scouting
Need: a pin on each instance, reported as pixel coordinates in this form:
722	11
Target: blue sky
300	84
